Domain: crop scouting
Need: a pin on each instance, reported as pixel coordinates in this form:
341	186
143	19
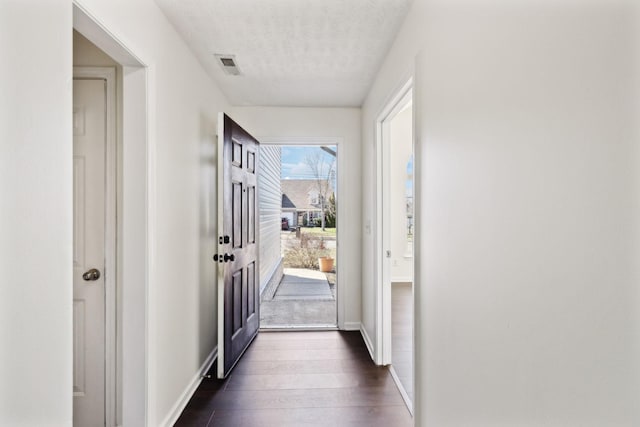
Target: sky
293	161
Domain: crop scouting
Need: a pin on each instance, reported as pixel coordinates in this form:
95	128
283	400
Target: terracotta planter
326	264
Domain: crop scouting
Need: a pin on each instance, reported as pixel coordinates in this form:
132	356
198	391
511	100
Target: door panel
251	288
89	148
251	213
237	258
237	215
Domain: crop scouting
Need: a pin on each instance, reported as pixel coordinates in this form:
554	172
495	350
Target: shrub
303	258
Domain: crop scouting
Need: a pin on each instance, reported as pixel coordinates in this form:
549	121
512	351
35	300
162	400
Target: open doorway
298	200
395	230
109	355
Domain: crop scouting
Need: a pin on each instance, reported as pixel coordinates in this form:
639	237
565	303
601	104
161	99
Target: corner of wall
190	389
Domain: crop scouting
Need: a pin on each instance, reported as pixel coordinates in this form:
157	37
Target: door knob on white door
91	275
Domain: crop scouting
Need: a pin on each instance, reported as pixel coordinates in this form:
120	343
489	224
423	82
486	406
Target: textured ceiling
290	52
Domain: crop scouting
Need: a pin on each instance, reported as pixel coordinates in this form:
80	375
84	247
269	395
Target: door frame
340	257
108	74
397	102
134	221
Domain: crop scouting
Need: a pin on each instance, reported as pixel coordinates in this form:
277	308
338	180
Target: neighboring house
301	199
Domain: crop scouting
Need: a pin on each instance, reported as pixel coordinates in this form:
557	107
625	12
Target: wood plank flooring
300	379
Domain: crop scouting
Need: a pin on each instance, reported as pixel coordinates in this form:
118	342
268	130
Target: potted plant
325	262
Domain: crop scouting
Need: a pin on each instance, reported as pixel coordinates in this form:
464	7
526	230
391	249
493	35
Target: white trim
401	389
135	244
302	140
220	248
191	388
352	326
401	279
341	258
382	274
108	74
85	23
367	342
152	247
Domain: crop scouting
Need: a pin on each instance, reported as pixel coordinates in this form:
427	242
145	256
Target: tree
330	218
322	170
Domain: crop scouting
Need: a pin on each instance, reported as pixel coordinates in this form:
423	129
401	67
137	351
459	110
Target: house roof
295	194
287	203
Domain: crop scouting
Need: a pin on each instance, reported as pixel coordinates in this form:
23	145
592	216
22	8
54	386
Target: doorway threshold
298	328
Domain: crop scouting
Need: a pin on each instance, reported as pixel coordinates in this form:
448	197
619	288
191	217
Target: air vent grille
228	64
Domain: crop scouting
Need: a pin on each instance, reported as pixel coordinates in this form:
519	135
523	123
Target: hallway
300	378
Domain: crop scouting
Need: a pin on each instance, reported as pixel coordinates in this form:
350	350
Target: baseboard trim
182	401
367	342
401	389
351	326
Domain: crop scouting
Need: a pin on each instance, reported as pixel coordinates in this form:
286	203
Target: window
314	198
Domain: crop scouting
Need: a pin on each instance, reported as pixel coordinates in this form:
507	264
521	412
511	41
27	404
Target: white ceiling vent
228	64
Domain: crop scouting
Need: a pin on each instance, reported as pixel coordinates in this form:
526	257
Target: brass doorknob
91	275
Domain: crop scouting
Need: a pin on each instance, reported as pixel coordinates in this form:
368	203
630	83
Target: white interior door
89	147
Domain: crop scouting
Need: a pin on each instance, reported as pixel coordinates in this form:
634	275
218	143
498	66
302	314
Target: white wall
527	163
35	213
270	201
36	176
309	124
401	137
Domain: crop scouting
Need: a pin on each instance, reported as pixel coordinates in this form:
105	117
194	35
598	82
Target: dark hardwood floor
300	379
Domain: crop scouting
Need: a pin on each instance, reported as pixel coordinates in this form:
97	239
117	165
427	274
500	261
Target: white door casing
342	257
94	201
382	235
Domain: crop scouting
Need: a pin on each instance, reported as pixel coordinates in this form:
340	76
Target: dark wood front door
237	258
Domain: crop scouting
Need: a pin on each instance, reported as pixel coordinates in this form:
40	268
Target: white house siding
270	197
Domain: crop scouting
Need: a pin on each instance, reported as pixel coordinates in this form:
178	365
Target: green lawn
317	231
